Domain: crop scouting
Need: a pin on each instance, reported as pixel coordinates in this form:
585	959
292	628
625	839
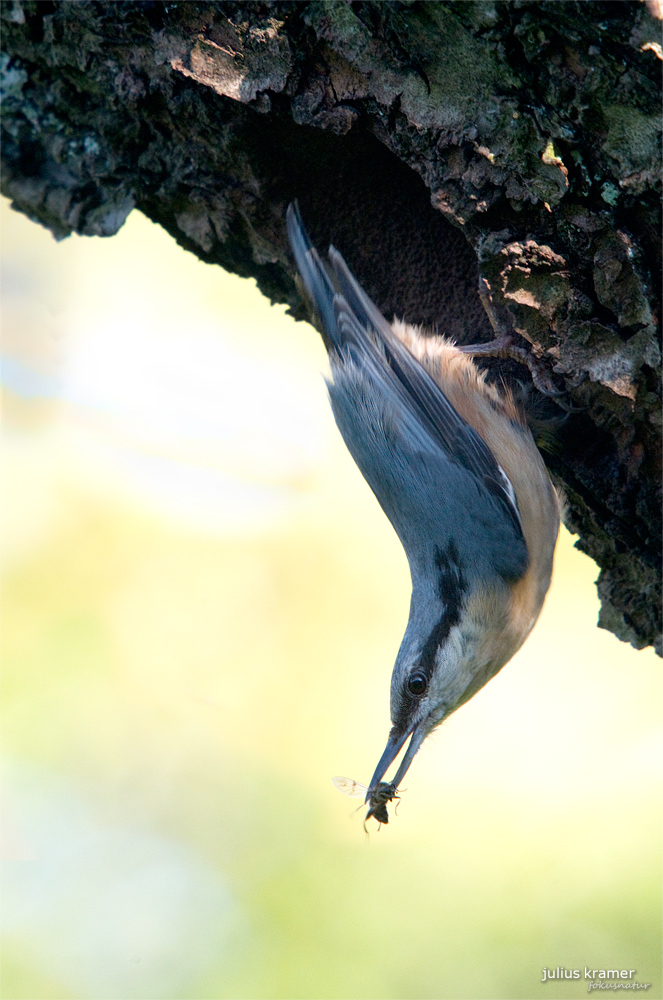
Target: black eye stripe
451	583
452	590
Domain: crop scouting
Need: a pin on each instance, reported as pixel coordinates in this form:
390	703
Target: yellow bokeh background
201	606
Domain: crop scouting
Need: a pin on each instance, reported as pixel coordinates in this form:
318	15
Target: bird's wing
356	328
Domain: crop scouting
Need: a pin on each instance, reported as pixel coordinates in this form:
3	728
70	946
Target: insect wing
348	786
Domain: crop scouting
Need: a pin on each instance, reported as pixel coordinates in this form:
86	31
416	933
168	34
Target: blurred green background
201	607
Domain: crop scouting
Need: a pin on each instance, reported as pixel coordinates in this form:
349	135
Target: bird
455	469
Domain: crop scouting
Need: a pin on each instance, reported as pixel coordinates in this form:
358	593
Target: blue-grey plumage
457	473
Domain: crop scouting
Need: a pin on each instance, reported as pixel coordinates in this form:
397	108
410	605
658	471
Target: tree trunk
430	142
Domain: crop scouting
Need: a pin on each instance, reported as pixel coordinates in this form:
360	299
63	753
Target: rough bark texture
428	142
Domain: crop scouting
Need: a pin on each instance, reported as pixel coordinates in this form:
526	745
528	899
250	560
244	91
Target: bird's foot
502	346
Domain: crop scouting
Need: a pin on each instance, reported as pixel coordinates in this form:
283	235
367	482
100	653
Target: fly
377	798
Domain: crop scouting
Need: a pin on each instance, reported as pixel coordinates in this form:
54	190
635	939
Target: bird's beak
391	752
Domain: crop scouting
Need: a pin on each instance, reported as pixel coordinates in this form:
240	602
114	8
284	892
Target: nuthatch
455	469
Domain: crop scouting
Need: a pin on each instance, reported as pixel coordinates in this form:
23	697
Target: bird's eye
417	683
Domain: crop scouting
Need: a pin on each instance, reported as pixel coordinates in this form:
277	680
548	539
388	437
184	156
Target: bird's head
454	643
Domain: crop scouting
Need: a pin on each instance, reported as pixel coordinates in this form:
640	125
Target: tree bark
430	142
